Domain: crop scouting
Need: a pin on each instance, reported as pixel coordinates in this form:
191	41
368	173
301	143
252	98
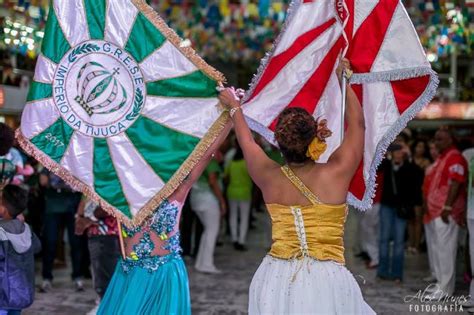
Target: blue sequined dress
145	283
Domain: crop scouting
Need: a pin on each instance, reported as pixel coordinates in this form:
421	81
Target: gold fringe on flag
149	208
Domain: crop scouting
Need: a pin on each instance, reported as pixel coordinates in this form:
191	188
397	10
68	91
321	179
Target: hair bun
295	130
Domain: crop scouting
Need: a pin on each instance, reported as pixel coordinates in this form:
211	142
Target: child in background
239	194
17	248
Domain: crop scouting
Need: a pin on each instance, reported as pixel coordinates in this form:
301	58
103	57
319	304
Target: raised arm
347	157
181	193
256	159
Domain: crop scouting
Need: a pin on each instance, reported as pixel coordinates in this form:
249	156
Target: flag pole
343	109
344	73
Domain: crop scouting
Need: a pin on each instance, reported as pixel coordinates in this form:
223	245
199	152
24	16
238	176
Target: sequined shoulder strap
296	181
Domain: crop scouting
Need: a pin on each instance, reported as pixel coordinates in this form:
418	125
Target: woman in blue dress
152	279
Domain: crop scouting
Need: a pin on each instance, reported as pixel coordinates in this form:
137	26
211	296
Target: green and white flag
118	107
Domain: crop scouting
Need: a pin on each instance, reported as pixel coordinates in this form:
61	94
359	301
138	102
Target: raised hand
229	97
343	67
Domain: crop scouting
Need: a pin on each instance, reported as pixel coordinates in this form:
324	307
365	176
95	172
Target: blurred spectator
35	197
239	195
7	172
16	158
428	226
421	154
8	169
469	156
399	197
445	204
434	152
191	230
207	201
9	77
103	243
369	228
415	225
7	138
60	207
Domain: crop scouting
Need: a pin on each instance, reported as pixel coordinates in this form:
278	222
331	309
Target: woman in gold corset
304	272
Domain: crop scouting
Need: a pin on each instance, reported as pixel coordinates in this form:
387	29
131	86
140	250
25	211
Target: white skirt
306	286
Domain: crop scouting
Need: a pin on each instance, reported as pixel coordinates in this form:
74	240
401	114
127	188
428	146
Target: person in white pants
369	234
209	204
428	225
430	237
444	242
469	156
239	194
445	193
239	211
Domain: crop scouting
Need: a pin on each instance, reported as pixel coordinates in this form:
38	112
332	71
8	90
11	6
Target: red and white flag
392	76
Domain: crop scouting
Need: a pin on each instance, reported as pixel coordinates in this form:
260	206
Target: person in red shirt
445	202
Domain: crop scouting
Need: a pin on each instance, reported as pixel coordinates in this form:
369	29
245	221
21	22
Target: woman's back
321	179
304	275
314	230
305	265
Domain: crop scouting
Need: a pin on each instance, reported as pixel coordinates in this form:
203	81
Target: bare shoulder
266	177
323	171
269	171
328	183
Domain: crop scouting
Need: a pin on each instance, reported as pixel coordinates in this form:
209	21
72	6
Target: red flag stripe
406	92
365	48
357	186
277	63
358	90
309	96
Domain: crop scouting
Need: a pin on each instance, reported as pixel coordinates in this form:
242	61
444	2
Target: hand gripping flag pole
346	74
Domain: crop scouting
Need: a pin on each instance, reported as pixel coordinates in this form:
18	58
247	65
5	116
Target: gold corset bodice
315	231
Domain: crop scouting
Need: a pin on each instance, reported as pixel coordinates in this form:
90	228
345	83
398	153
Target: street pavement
227	293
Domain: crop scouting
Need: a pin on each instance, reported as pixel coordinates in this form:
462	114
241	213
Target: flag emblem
118	108
90	89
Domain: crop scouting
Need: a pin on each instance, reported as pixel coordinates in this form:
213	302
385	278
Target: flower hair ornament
318	146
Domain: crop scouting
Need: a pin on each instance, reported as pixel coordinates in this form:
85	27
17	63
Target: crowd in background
222	202
423	200
9	74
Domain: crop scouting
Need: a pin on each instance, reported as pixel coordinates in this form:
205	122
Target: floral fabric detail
162	223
